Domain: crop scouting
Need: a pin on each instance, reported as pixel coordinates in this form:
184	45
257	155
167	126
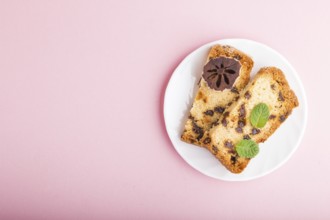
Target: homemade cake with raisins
226	73
270	88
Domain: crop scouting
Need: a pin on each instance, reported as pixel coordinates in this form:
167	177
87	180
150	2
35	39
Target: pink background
82	134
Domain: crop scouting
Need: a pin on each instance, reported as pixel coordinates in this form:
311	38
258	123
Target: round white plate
179	96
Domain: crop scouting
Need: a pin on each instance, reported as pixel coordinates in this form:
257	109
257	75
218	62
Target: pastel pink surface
82	134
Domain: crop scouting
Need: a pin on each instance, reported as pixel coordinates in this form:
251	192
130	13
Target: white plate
179	96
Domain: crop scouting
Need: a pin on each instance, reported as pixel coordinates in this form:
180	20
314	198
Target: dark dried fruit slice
221	73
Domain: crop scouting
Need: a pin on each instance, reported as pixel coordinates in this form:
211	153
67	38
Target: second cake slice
269	88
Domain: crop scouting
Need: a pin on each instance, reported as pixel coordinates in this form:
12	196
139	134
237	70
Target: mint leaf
247	148
259	115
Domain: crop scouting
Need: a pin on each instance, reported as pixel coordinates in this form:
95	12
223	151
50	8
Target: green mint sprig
247	148
259	115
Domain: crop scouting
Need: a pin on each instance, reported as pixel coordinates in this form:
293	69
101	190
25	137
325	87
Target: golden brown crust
207	99
269	87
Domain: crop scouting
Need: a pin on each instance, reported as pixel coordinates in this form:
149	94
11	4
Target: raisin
207	140
272	117
247	95
242	111
280	97
233	159
246	137
224	122
229	144
209	112
198	130
241	123
215	149
219	109
255	131
239	130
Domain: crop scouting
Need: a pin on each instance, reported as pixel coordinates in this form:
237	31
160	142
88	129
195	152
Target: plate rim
297	79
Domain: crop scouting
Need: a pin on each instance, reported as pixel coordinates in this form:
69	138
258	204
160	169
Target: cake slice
269	87
226	73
